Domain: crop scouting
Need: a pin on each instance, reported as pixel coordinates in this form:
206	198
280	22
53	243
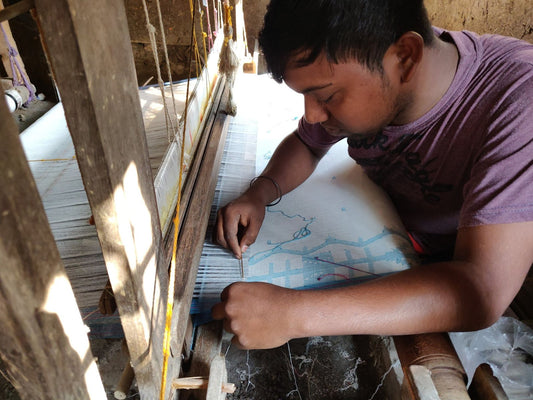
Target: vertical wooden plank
207	347
91	57
43	340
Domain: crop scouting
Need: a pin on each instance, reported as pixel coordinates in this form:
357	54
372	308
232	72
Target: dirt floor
111	361
318	368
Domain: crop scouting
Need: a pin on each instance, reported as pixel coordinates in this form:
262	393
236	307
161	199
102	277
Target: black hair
343	29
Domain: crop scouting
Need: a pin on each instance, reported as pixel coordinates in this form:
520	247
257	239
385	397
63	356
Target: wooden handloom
41	321
90	55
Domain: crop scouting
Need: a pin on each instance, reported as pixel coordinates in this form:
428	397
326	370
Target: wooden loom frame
90	54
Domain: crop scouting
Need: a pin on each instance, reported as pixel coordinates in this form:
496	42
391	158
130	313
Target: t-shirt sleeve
315	136
500	187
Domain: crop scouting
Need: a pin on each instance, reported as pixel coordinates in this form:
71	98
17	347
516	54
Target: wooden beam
207	346
217	386
485	386
43	340
192	173
15	10
435	352
422	384
192	234
91	57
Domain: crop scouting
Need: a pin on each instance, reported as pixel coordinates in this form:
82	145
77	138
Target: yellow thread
172	277
54	159
204	35
197	52
227	12
227	15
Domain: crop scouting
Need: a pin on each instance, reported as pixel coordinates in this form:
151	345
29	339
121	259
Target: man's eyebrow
313	88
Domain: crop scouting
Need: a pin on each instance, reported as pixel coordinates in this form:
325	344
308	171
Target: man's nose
315	112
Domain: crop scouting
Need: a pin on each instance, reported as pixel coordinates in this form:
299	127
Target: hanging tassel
228	61
18	70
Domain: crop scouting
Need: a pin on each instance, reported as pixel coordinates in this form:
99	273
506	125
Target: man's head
361	30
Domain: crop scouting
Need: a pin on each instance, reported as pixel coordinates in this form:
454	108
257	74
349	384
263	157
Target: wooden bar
16	9
192	235
43	341
189	184
200	383
217	386
435	352
91	57
124	384
423	387
207	346
485	386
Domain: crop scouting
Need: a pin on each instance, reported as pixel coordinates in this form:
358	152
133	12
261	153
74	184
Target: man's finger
226	233
217	312
219	230
227	325
235	341
250	234
232	241
224	293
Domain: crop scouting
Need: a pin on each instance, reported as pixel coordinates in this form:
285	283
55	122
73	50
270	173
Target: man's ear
409	49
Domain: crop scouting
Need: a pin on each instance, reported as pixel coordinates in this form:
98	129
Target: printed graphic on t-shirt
382	160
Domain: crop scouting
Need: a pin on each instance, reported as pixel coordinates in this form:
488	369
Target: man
442	121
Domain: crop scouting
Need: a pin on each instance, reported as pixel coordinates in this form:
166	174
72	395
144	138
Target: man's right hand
238	223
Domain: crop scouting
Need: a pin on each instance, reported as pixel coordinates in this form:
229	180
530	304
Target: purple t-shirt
469	160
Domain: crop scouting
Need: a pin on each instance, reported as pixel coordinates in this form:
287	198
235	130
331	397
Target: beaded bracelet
278	189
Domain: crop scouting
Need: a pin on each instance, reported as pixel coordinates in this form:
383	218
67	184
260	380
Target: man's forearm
425	299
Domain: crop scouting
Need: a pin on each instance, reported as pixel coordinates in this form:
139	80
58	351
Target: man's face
347	98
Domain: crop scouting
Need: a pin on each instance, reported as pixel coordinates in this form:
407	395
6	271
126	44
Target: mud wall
505	17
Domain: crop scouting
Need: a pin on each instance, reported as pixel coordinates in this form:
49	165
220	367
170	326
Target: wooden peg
200	382
125	382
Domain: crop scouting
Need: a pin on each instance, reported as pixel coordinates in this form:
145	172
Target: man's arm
290	165
468	293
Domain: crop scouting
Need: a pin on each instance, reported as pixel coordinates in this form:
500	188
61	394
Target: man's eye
327	100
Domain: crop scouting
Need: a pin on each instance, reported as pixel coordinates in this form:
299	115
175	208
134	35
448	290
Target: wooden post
43	340
207	347
91	57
